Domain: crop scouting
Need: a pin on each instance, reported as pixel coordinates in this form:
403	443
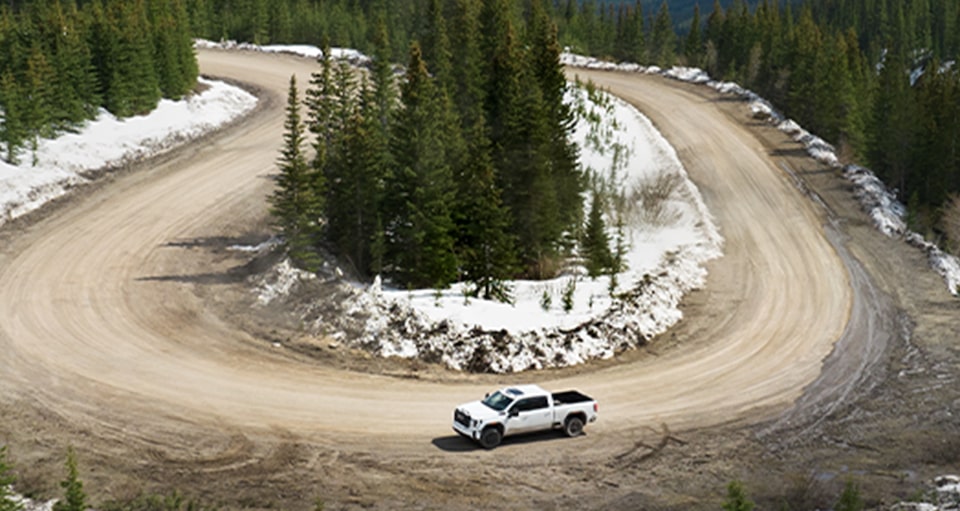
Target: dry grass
649	201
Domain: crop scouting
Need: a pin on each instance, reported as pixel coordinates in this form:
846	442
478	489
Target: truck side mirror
513	412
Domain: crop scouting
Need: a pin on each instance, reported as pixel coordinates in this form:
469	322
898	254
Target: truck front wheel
490	438
573	426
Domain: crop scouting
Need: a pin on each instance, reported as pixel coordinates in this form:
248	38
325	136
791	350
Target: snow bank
878	201
303	50
108	142
945	496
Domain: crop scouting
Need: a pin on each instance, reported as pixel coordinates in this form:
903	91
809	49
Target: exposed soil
818	350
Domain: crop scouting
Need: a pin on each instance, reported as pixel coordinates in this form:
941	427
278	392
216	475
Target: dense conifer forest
61	61
874	77
459	170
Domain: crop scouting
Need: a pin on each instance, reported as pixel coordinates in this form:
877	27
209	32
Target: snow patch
280	281
303	50
108	143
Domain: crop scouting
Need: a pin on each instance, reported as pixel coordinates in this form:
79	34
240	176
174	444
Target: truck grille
461	418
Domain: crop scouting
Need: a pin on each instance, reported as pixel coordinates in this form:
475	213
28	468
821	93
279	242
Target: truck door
530	414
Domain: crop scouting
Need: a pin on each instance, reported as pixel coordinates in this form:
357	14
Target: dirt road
104	345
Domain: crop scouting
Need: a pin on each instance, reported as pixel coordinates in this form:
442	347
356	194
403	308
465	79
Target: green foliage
596	242
566	299
74	498
850	499
6	482
60	63
295	206
737	499
546	300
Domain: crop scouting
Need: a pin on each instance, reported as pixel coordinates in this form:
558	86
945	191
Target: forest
453	172
874	77
60	63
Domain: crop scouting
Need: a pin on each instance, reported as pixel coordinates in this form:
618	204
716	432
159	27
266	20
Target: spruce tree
663	38
39	111
468	93
7	479
596	242
420	236
295	208
693	47
125	48
74	498
13	130
485	247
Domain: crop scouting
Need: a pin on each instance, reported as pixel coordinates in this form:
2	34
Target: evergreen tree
39	108
74	498
6	482
893	123
468	93
420	239
596	242
693	47
13	131
128	74
663	38
485	248
436	45
295	207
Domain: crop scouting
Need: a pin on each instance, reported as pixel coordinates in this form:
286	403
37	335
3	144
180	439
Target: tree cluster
873	77
59	63
450	173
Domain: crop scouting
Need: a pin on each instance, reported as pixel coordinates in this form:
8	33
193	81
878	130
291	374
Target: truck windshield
498	401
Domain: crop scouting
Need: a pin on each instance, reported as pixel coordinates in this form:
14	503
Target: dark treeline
60	62
460	170
842	68
873	77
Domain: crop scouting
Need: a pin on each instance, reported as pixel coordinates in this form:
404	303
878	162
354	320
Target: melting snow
108	142
879	202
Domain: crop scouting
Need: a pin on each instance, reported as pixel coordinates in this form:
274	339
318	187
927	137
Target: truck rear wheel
573	426
490	438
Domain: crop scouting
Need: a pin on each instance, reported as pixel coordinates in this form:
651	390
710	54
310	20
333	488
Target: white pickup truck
523	409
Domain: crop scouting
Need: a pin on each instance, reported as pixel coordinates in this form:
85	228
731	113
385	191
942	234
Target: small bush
737	499
850	499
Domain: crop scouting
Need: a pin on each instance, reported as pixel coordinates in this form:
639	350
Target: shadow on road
457	443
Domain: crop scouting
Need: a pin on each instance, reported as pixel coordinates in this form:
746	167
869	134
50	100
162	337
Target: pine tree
485	248
295	208
128	74
693	47
74	498
468	93
436	45
39	107
13	131
420	236
7	479
663	38
596	241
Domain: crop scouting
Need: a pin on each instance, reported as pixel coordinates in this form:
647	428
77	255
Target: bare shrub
649	200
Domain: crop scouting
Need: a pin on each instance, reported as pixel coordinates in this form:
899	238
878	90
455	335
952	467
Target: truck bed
569	397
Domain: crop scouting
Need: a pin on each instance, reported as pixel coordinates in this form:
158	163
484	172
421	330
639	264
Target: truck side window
531	403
